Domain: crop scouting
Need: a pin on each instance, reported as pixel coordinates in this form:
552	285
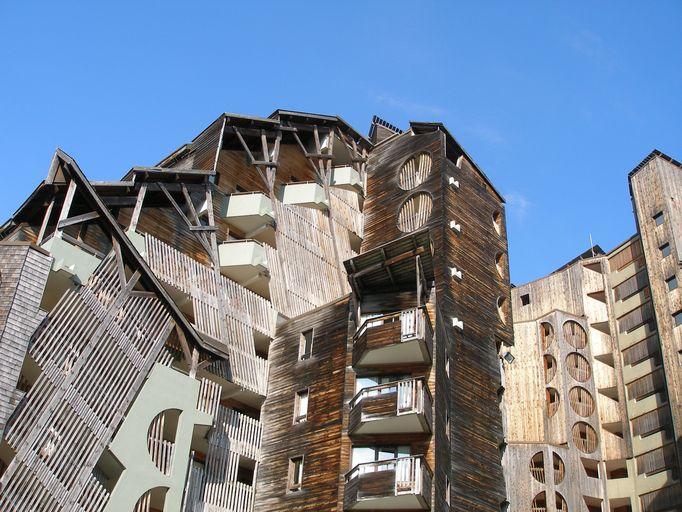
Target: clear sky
556	101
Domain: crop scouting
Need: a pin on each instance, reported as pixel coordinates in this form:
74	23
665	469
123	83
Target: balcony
398	338
402	407
250	213
245	262
71	259
347	178
396	484
309	194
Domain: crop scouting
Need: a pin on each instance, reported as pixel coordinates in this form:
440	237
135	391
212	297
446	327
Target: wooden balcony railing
391	329
391	400
237	432
408	477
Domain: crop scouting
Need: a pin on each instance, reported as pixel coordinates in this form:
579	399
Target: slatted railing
237	432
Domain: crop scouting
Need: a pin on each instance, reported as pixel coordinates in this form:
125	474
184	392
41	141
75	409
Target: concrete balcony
404	337
250	213
245	262
402	407
308	194
347	178
71	259
395	484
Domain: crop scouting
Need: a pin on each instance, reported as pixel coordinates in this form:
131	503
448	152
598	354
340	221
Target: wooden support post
135	217
46	221
64	213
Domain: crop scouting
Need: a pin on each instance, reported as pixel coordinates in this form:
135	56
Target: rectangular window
671	282
525	299
305	344
665	250
295	473
678	317
658	218
301	406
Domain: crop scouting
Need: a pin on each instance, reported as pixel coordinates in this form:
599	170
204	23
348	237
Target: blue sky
556	101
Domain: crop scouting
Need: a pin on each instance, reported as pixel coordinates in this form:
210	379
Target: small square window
525	299
295	474
672	283
665	250
659	218
305	344
301	406
678	317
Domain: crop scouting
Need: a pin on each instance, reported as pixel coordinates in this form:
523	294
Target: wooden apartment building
282	314
591	387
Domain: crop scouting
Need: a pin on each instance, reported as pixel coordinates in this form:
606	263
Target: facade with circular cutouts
585	437
574	334
552	397
559	468
549	364
578	367
414	171
537	467
581	401
546	334
414	212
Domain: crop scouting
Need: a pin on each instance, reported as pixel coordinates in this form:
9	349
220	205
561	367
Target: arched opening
575	335
499	263
559	468
502	309
550	367
546	335
585	437
151	501
552	401
581	401
415	171
539	503
578	367
414	212
560	503
537	467
161	439
497	221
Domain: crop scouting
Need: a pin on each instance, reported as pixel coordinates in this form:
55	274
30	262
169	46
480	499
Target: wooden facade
593	377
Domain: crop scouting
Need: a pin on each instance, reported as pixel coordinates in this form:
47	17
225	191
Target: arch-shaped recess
537	467
560	503
414	212
552	397
581	401
539	503
161	439
414	171
499	264
502	308
559	468
574	334
578	367
546	334
497	221
585	437
550	367
153	499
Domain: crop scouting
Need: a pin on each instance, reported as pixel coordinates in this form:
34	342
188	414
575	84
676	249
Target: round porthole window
415	212
415	171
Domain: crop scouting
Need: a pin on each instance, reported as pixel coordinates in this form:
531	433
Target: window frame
298	417
295	473
672	280
659	218
303	344
665	250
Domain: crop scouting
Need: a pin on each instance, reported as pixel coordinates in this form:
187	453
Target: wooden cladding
668	498
574	334
415	171
641	351
636	317
578	367
581	401
631	286
660	459
651	422
585	437
626	256
647	385
415	212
